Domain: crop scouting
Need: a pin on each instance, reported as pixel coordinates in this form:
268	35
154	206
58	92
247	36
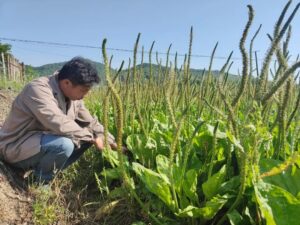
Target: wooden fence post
3	64
23	71
12	69
8	67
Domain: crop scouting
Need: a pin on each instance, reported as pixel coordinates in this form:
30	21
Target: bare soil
15	201
6	98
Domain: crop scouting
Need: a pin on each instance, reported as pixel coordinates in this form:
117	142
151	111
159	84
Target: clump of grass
48	207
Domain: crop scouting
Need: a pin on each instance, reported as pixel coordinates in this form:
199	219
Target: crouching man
48	127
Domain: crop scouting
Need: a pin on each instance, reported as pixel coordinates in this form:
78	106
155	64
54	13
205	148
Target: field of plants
203	149
195	149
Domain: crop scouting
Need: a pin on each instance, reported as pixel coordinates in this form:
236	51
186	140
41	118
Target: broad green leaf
235	218
194	162
211	186
207	212
142	147
162	166
219	134
265	209
203	141
111	157
286	179
161	118
188	130
113	173
154	183
183	200
277	205
163	135
234	141
133	127
190	185
231	186
163	141
177	176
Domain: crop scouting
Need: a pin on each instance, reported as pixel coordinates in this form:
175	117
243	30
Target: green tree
30	72
5	48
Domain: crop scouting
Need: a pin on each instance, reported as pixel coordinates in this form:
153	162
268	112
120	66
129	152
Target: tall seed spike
245	72
262	82
135	83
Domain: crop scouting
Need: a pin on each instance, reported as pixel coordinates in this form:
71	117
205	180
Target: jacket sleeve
40	101
93	124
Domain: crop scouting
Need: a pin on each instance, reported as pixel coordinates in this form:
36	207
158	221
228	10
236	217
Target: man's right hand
99	143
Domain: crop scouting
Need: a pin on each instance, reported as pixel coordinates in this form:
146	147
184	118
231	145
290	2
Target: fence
11	68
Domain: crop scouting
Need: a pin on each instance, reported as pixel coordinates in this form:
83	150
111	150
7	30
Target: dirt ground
6	98
15	203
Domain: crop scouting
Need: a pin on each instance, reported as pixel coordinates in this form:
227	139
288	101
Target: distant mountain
51	68
194	72
47	69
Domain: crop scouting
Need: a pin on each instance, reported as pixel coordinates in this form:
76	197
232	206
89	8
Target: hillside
50	68
195	73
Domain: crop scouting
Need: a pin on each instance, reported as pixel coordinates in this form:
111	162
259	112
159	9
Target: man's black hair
80	72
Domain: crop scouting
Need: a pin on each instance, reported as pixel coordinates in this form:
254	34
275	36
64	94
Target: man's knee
57	144
67	146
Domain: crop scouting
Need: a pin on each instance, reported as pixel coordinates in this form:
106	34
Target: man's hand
99	143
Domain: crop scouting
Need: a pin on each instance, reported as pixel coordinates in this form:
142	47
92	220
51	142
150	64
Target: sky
166	22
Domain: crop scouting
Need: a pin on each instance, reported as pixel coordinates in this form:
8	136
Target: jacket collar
57	93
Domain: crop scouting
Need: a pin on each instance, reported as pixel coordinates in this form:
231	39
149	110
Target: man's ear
67	82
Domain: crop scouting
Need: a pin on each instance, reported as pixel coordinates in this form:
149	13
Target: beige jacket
39	109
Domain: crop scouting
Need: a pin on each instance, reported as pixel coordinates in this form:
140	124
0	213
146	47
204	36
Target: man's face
73	92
